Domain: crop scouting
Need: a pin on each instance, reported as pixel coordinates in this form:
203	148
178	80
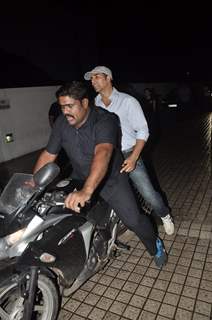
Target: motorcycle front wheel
46	301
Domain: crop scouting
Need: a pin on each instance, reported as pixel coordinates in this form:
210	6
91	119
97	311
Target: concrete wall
26	118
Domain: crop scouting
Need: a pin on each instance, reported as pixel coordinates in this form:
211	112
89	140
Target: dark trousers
123	201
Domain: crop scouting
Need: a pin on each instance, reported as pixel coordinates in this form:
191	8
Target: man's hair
76	90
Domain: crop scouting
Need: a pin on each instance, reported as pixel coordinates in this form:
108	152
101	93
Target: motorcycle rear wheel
46	301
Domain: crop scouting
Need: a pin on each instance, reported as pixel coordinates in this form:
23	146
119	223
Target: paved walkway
131	287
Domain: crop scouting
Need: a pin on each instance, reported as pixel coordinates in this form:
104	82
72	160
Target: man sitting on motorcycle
90	137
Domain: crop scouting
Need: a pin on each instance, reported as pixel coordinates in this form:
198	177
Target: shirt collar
114	93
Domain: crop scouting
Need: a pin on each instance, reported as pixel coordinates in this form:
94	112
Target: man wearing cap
134	136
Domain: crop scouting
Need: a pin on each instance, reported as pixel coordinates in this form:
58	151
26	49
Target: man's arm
51	120
130	163
43	159
99	167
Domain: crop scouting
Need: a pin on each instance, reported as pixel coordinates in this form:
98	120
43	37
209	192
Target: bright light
174	105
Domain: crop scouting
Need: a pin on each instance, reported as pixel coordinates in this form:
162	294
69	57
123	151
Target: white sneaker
168	224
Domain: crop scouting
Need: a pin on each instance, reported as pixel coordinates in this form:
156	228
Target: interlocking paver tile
117	283
105	280
182	314
99	289
124	296
133	259
144	261
147	281
161	318
122	274
92	299
143	291
157	294
205	296
111	271
195	273
83	310
207	285
64	315
198	316
140	269
104	303
196	264
169	267
152	273
173	259
135	277
118	307
161	284
175	288
190	292
80	295
171	298
72	305
111	316
184	262
128	266
130	286
138	252
111	293
208	266
186	303
137	301
201	249
192	282
146	315
167	310
207	275
152	305
131	312
182	270
96	314
187	254
203	308
64	300
76	317
88	286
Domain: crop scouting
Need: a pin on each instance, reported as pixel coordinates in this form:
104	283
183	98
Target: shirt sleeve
107	130
137	119
54	143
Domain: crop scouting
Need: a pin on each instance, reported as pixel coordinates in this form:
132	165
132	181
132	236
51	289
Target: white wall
27	119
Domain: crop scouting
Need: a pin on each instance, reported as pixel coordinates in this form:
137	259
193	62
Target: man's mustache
68	115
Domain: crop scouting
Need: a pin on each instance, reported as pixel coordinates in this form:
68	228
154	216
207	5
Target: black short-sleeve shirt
101	127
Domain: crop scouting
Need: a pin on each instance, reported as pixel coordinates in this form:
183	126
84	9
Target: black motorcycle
46	250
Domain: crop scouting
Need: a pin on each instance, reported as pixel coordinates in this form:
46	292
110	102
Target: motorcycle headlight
14	237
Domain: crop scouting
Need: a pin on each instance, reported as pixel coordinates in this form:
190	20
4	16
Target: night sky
59	41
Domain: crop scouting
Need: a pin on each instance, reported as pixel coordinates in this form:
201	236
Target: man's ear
85	103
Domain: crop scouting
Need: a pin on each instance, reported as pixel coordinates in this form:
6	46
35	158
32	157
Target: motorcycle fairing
70	254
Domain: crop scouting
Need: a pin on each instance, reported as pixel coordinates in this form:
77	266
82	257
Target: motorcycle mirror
46	174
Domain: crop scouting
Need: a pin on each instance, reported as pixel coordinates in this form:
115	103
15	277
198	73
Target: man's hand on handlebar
77	199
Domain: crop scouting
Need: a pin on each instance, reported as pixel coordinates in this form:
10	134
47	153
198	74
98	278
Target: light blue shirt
133	123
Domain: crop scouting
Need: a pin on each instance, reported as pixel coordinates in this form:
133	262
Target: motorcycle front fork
28	287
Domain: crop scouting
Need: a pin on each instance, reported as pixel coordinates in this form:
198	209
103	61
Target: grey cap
98	69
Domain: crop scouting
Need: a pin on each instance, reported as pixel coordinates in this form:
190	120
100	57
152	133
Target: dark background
57	41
